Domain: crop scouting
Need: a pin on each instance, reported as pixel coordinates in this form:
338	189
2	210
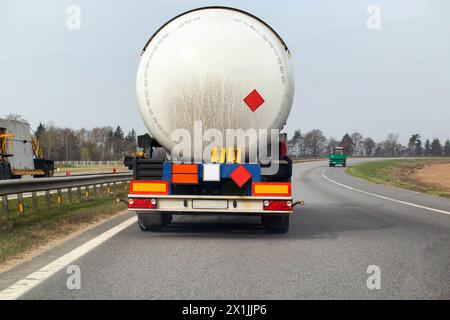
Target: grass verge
399	172
25	232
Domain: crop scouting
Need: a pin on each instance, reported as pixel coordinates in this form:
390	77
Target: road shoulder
19	269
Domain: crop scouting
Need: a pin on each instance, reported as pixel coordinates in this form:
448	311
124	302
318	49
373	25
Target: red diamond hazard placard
240	175
254	100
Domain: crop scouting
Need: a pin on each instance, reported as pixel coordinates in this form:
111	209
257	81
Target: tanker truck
202	74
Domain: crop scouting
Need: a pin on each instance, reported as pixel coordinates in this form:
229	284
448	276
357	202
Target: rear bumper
192	204
337	161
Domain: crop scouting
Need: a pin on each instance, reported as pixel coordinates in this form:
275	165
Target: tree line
101	143
98	144
108	143
314	144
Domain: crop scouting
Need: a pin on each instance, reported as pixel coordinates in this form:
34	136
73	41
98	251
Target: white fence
88	163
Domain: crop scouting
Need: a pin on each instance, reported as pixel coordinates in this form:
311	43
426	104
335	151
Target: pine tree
447	148
347	144
40	130
436	148
118	143
427	148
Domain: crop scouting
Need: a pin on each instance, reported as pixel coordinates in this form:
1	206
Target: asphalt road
332	241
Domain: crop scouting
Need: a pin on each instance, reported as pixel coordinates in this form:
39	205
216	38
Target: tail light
277	205
142	203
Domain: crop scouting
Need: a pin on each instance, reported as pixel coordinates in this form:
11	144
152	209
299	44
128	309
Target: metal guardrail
94	185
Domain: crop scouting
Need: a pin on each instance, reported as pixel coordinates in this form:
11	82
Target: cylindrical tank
218	65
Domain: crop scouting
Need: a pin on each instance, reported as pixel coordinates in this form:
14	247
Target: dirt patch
435	174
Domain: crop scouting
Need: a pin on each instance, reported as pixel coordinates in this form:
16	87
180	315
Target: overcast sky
348	77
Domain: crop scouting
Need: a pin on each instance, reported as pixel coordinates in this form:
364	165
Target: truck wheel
166	218
150	222
275	224
49	173
4	171
344	164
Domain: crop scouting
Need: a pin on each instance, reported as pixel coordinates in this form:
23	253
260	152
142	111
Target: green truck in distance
337	157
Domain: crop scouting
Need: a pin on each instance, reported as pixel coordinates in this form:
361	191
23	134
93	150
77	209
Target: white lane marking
382	197
32	280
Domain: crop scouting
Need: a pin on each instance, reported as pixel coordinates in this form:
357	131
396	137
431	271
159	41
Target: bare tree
391	147
369	146
15	117
315	142
413	144
358	148
295	144
332	143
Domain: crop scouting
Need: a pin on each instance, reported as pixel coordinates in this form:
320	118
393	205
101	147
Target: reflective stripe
187	178
271	188
149	187
184	168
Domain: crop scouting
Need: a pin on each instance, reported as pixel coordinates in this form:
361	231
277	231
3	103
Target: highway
346	225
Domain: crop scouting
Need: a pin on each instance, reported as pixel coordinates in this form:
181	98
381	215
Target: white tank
221	66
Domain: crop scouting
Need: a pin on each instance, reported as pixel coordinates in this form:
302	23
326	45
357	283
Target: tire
45	165
150	222
166	218
50	173
3	171
344	164
275	224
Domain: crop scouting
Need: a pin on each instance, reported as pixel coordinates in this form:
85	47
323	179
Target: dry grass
401	173
27	232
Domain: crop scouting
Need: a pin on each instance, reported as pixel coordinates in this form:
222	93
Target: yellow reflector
149	187
271	189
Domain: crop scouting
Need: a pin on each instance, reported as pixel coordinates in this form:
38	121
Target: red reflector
283	149
277	205
142	203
